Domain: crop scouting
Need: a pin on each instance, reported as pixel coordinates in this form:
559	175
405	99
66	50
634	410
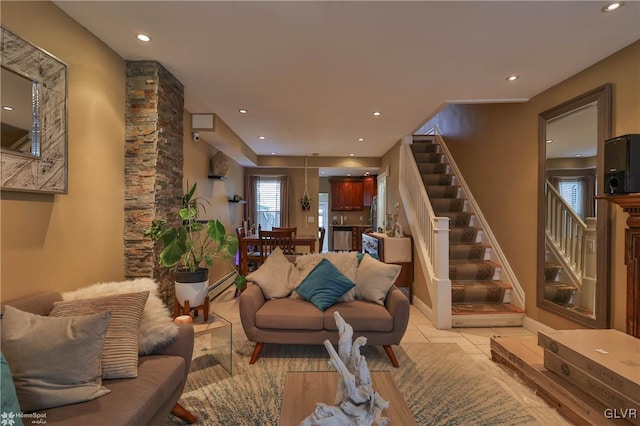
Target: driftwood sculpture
356	403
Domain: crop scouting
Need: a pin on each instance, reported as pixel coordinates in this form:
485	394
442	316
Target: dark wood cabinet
356	233
370	187
346	194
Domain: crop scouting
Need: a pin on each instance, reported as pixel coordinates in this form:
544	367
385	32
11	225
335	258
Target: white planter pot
195	293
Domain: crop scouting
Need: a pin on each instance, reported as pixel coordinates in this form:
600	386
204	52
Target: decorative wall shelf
216	177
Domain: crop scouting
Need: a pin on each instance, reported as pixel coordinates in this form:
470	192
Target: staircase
479	298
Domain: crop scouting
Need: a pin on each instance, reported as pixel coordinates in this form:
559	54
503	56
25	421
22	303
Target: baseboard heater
222	284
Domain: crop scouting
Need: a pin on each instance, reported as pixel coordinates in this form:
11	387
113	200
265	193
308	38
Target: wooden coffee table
303	390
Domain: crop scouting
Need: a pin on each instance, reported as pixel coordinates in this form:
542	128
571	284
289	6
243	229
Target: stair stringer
439	288
497	255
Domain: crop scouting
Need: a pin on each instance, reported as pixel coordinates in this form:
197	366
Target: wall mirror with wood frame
573	234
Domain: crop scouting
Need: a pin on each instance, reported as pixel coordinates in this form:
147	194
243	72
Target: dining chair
254	259
269	240
292	229
322	231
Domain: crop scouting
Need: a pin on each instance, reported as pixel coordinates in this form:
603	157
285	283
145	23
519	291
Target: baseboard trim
535	326
422	307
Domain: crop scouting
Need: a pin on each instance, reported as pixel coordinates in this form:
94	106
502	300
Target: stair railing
430	235
565	234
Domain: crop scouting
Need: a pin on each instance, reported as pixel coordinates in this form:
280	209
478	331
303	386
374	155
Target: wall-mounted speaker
622	164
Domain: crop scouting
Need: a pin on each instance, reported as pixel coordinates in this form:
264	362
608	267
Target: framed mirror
33	99
573	235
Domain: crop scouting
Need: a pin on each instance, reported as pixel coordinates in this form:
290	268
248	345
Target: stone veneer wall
153	165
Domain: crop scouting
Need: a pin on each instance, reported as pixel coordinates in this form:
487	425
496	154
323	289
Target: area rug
441	384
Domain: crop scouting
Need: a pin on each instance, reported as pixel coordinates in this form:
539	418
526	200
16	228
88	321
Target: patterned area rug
441	384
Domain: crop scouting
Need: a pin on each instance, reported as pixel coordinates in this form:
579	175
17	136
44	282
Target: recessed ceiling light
578	155
143	37
360	139
273	153
242	111
322	172
7	108
513	77
351	154
610	7
377	113
261	138
348	174
549	141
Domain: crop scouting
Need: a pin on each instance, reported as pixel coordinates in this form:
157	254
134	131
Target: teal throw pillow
10	408
324	285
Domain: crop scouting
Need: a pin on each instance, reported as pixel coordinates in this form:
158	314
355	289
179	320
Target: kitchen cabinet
346	194
370	187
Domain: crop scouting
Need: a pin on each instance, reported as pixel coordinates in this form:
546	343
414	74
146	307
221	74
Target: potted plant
190	248
305	202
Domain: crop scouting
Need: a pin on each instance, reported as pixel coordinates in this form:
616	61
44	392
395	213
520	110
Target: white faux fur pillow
275	276
346	262
157	327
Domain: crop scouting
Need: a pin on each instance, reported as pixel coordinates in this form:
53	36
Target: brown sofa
145	400
296	321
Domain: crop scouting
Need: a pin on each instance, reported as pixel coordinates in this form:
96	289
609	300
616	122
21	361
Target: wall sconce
203	122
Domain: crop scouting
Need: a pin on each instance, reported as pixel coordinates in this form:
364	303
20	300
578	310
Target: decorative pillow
157	327
120	355
347	264
54	361
275	276
361	255
10	408
324	285
374	279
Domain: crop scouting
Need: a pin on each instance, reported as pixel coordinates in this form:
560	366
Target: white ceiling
312	73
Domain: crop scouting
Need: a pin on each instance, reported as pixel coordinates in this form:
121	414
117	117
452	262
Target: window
268	201
572	191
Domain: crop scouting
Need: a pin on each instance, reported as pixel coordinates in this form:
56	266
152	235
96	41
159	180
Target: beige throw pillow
54	361
374	279
156	328
120	354
274	276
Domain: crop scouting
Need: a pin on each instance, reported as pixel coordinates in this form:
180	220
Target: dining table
301	240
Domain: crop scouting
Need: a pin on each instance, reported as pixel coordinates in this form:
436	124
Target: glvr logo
621	413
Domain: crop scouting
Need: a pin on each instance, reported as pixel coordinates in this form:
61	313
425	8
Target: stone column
153	165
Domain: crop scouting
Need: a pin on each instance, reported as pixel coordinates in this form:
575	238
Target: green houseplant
190	248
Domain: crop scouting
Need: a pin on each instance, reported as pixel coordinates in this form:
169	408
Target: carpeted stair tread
467	251
484	308
437	179
442	191
473	291
560	293
447	204
472	270
462	234
456	218
551	271
432	168
427	157
422	147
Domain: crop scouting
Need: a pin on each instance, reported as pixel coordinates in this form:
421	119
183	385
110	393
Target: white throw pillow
346	262
54	361
157	327
275	276
374	279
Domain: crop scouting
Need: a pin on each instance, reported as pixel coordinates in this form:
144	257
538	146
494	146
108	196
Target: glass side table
213	338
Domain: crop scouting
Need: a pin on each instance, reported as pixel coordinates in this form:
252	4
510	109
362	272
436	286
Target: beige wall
495	147
216	192
63	242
